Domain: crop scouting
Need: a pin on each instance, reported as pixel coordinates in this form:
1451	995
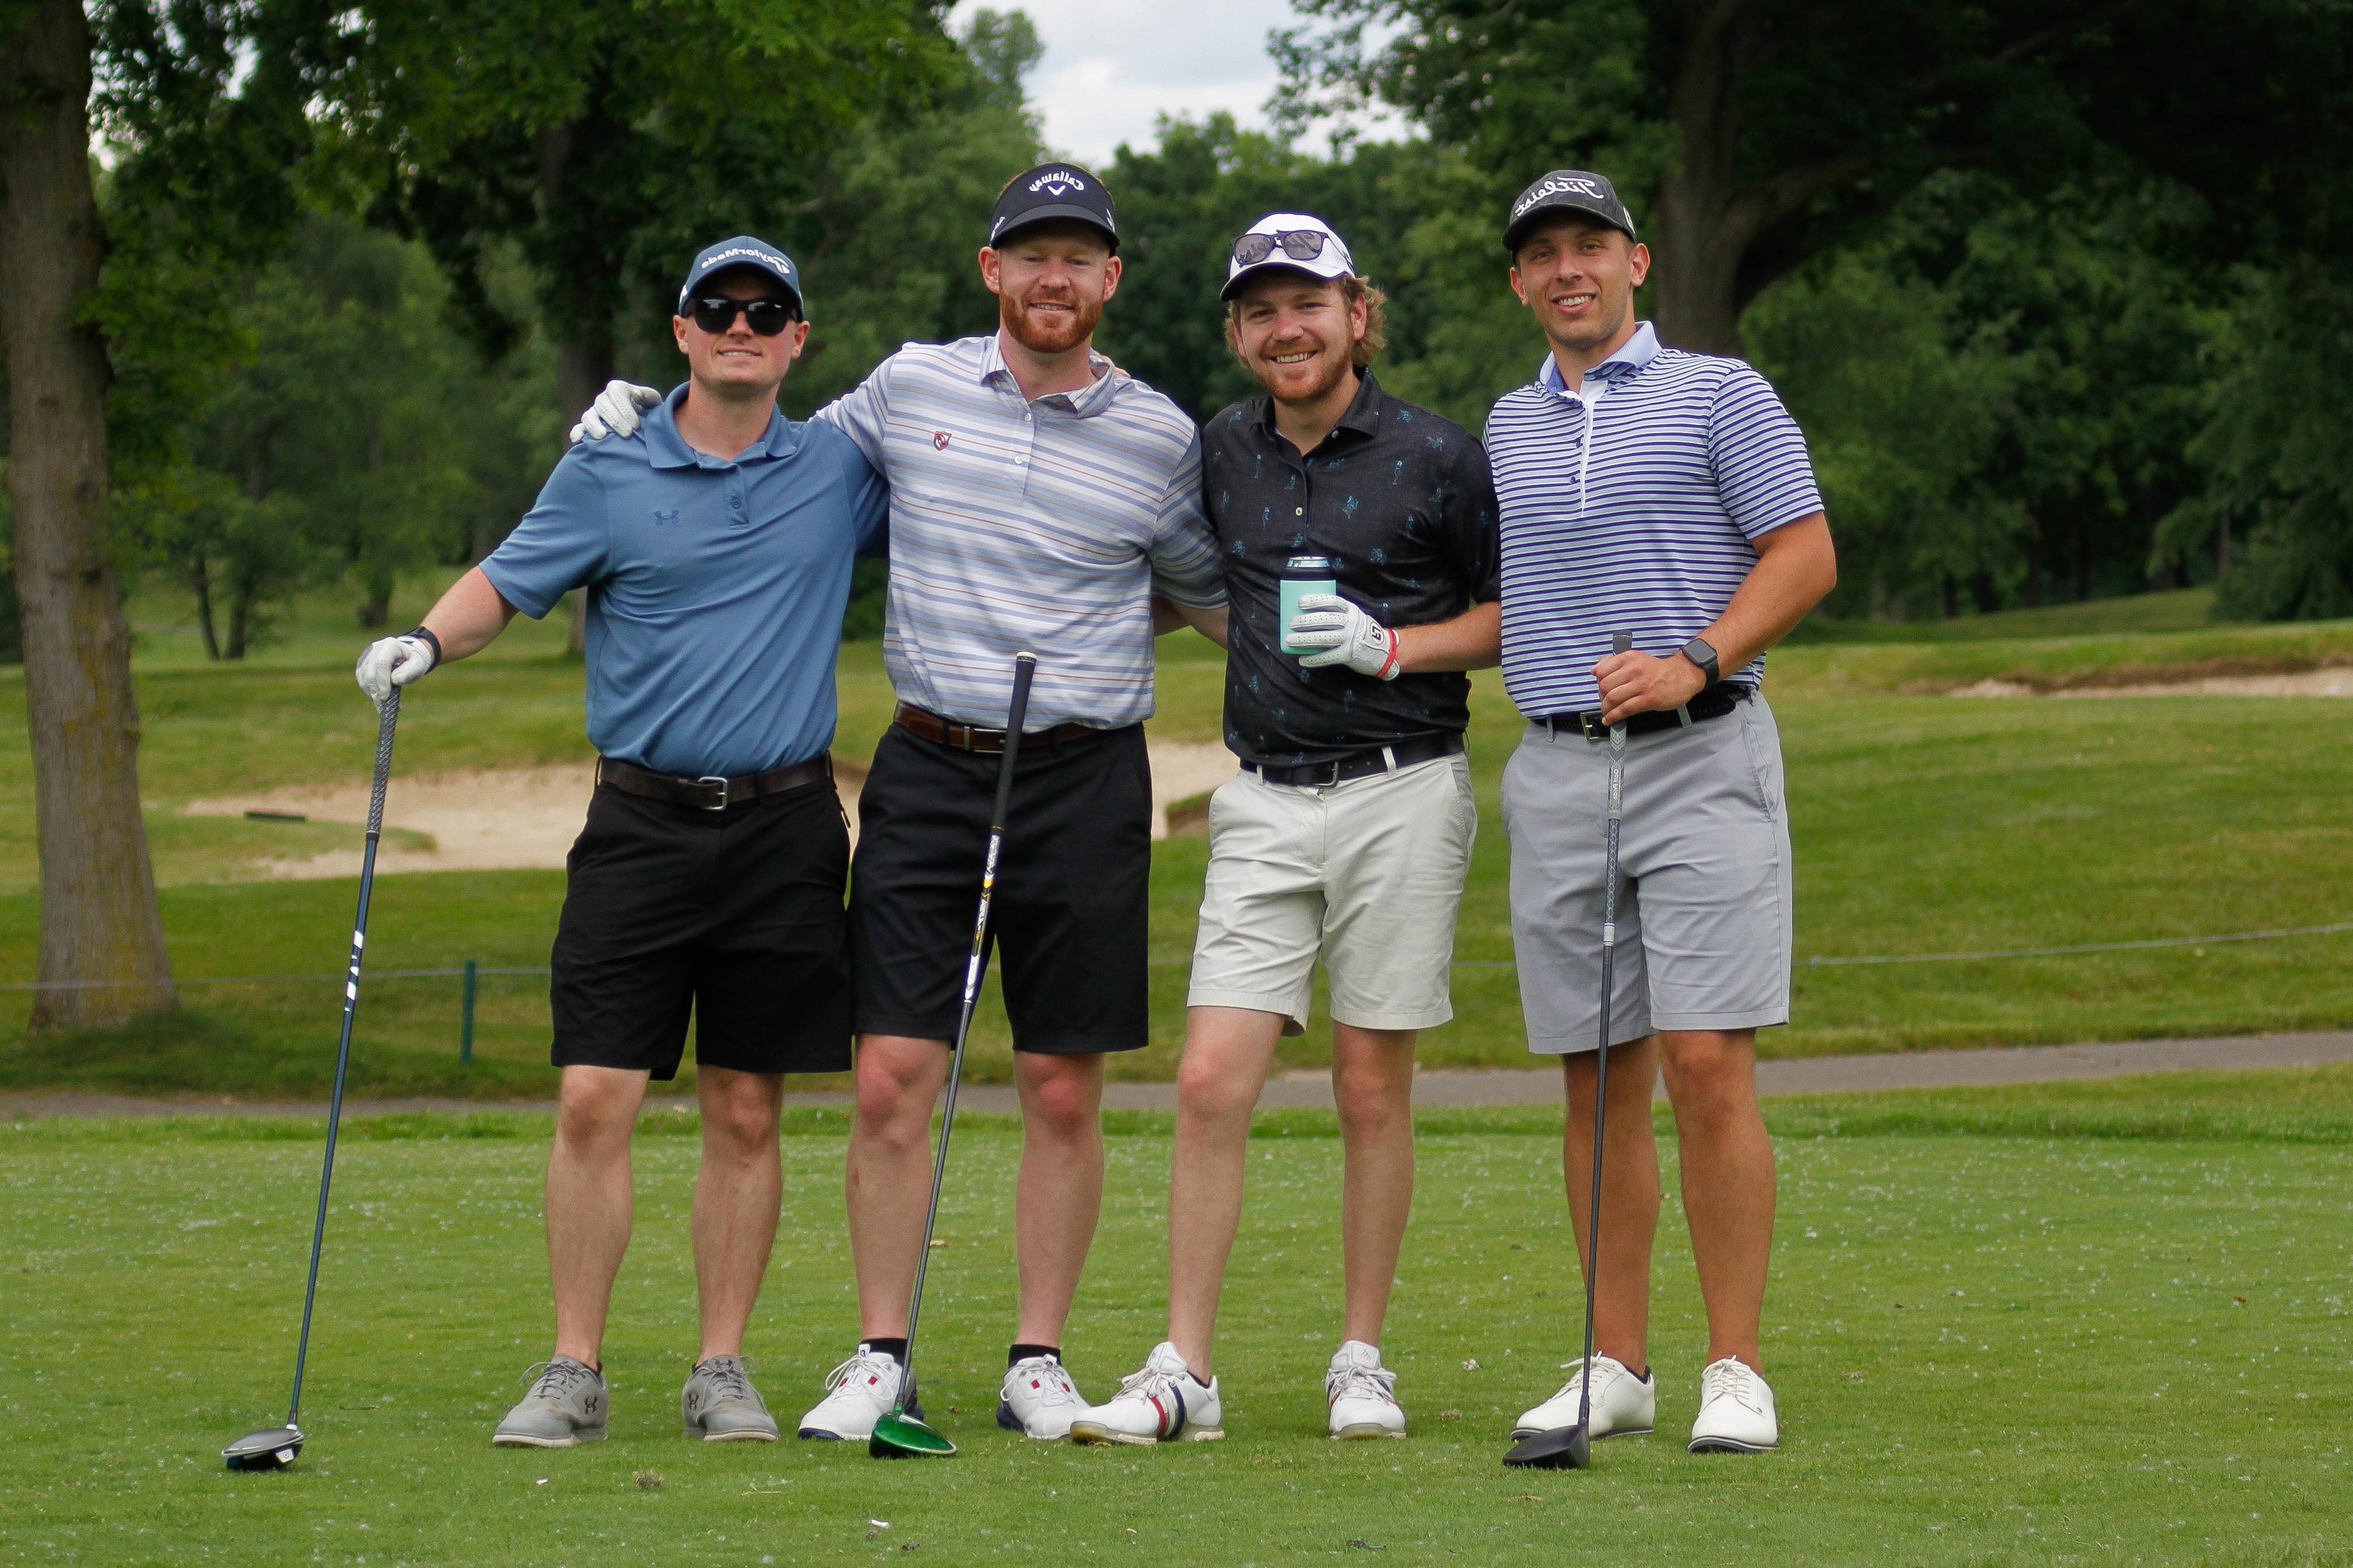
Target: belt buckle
721	784
1589	726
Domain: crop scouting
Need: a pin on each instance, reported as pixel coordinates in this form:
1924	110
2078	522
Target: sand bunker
499	819
2303	683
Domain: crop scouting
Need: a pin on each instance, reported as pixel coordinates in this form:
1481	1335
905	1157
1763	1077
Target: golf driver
1571	1447
274	1448
899	1436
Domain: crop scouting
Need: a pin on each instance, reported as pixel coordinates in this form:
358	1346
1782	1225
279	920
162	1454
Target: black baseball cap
1566	191
750	254
1053	191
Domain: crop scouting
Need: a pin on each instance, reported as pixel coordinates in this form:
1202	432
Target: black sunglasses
767	317
1299	244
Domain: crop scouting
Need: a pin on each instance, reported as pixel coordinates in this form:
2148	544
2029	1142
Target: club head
899	1436
1562	1448
271	1449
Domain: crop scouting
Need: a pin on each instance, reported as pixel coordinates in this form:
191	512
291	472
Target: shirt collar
1362	415
1089	400
666	448
1632	354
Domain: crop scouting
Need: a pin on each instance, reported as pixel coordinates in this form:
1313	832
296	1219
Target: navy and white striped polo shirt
1629	505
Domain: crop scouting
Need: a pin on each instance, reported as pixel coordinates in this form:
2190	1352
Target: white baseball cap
1290	240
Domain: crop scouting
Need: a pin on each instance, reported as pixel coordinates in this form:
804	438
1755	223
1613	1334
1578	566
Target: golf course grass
2084	1323
1923	824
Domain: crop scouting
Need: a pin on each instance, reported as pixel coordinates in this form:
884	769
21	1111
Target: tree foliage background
2045	348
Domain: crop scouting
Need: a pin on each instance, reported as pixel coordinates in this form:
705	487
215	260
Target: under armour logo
939	441
666	519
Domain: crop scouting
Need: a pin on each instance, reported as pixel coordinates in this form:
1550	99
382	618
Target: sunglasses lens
768	317
1253	249
1303	245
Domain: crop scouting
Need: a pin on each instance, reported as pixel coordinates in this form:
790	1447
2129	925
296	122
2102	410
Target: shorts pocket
1764	761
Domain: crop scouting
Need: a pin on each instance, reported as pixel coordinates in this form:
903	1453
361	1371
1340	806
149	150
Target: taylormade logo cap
743	251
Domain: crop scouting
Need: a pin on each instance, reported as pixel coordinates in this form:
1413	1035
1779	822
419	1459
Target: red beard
1075	329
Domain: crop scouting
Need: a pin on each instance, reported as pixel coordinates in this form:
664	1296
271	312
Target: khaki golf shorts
1704	903
1365	875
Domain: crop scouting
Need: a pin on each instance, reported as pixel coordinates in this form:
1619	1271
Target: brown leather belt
711	792
927	725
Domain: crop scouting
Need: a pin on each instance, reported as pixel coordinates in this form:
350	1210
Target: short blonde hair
1376	320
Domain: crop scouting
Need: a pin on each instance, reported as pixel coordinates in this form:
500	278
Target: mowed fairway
2085	1324
1923	824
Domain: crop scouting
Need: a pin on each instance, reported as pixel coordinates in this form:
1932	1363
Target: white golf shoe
1361	1394
1038	1399
1623	1404
1163	1403
1735	1411
857	1394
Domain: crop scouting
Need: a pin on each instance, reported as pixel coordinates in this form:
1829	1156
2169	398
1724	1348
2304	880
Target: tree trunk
200	578
2223	548
101	936
376	610
583	362
240	616
1697	232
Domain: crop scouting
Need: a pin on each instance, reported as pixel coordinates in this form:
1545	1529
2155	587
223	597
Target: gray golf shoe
719	1404
566	1406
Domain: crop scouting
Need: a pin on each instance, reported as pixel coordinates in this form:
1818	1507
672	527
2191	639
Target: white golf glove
395	661
1346	634
616	411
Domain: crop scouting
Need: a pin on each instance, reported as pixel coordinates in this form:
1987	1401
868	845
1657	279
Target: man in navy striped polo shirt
1666	494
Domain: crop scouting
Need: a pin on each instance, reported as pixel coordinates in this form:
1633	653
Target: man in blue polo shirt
1669	495
715	547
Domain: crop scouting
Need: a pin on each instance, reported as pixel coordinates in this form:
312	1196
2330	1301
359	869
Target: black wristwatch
1699	653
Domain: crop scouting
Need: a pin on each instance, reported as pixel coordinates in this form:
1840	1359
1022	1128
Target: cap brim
1516	233
1036	215
1278	262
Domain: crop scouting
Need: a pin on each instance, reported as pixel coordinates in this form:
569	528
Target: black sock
1019	1353
895	1349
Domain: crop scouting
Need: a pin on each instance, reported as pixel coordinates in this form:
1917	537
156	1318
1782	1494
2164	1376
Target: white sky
1113	66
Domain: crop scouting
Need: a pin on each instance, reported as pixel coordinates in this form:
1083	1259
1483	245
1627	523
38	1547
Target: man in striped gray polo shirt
1039	500
1669	495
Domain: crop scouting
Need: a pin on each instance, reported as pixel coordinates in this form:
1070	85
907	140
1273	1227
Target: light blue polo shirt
715	587
1633	504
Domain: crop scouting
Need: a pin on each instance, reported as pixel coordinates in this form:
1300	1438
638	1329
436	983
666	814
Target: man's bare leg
589	1201
1227	1053
1058	1196
1727	1179
888	1172
737	1195
1372	1083
1630	1193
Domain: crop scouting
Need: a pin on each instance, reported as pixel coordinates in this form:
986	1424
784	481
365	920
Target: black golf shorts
1072	888
734	917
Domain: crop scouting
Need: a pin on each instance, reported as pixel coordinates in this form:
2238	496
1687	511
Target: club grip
1622	642
1025	665
387	720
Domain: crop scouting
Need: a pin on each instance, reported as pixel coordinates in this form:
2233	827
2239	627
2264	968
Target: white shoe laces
1054	1384
1604	1373
1731	1379
1359	1383
1146	1383
872	1364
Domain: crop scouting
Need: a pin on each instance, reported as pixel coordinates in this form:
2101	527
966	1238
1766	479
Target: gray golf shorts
1704	910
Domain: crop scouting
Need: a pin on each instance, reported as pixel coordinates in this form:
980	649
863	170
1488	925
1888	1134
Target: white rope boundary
1816	962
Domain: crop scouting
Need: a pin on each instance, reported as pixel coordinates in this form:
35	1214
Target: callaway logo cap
1051	191
743	251
1566	191
1291	241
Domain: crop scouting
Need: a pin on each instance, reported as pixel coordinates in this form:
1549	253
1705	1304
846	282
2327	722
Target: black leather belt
711	792
1361	765
931	727
1713	703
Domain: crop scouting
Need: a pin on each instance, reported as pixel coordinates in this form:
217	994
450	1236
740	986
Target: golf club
1571	1447
274	1448
899	1436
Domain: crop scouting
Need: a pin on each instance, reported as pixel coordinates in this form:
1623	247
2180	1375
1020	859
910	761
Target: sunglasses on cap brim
1299	244
716	314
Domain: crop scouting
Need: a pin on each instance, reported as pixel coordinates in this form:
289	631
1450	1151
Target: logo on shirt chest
666	518
939	441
